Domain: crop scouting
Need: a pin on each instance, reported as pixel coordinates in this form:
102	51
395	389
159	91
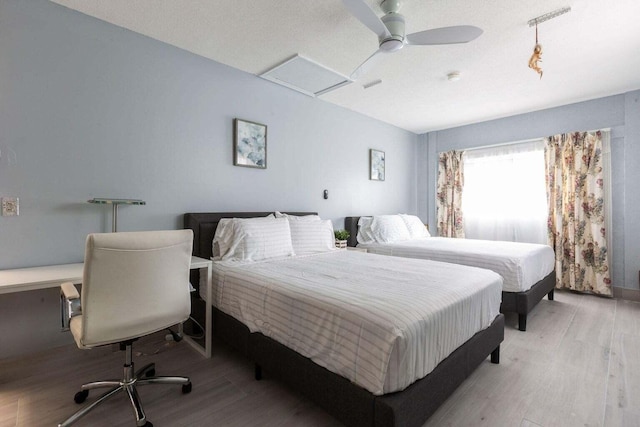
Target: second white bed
520	264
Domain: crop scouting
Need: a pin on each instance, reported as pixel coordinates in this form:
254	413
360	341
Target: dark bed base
349	403
523	302
518	302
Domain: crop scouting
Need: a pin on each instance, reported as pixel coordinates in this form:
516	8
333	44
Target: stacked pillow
255	239
416	228
390	228
310	234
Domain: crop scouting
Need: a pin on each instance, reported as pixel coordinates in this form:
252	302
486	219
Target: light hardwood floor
578	364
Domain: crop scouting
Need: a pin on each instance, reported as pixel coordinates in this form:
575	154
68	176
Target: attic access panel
306	76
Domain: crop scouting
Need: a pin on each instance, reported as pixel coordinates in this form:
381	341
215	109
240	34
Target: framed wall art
376	165
249	144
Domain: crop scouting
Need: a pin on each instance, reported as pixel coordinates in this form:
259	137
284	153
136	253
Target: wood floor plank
593	322
623	390
628	317
569	397
8	410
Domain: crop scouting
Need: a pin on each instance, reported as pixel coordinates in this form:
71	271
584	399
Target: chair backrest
134	284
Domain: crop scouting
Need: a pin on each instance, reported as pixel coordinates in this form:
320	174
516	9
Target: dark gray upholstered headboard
351	225
204	227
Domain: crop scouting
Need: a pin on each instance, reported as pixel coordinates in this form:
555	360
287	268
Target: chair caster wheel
148	424
81	396
186	388
150	373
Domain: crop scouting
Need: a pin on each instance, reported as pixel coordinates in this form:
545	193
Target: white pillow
224	235
365	235
389	228
416	228
253	239
311	236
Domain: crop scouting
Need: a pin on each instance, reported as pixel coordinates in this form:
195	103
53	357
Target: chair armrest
69	303
69	291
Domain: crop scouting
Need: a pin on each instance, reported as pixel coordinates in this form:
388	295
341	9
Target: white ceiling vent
303	75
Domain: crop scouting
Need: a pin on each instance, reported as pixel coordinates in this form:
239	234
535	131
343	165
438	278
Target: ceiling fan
391	35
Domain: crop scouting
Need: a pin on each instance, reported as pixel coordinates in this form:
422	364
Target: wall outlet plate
10	206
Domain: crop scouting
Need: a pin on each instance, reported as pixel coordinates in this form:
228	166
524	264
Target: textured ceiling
590	52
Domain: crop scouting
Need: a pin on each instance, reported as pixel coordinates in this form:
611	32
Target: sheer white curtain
504	196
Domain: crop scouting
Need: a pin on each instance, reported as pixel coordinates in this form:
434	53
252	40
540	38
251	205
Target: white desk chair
134	284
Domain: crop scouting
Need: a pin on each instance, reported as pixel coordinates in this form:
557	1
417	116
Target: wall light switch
10	206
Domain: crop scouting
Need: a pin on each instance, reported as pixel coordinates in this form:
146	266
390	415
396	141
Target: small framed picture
376	165
249	144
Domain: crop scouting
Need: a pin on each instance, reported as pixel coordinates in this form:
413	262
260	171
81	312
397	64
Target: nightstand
350	248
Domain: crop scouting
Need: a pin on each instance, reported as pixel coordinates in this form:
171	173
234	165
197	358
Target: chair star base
128	384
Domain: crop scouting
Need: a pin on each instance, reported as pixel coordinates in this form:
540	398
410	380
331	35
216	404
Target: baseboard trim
628	294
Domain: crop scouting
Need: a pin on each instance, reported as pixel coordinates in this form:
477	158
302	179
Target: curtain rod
523	141
503	144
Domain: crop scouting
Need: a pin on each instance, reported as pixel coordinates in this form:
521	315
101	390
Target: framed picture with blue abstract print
249	144
376	165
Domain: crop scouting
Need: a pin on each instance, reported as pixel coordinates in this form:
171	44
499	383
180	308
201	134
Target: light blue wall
621	113
627	173
88	109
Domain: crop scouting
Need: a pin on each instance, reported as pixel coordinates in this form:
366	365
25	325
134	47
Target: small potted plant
341	238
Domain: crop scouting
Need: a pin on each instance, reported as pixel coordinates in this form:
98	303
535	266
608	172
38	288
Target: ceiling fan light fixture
392	44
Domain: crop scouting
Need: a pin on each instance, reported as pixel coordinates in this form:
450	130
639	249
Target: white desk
51	276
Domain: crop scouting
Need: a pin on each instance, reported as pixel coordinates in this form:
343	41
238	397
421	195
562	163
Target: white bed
345	328
522	265
381	322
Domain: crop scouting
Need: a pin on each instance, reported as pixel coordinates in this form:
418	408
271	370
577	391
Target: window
504	195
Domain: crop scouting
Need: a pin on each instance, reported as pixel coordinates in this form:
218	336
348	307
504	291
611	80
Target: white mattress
381	322
521	265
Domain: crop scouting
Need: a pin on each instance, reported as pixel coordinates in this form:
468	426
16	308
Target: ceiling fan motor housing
395	24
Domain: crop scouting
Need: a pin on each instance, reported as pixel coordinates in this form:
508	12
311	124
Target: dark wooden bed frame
518	302
349	403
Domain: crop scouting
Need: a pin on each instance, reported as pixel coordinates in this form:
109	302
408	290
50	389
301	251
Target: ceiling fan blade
445	35
366	65
367	16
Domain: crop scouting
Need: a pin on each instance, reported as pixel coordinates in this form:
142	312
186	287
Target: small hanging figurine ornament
537	56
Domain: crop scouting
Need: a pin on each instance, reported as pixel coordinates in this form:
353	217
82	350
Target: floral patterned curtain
449	194
576	222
